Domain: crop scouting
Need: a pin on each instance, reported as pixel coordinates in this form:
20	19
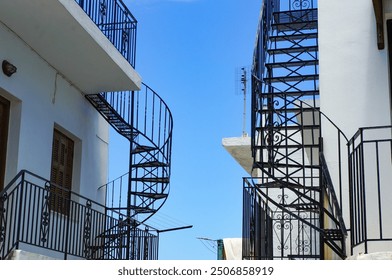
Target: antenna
213	245
242	79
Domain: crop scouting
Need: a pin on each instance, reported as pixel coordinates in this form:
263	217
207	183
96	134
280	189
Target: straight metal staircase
286	132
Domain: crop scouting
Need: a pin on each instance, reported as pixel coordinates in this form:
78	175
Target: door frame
4	126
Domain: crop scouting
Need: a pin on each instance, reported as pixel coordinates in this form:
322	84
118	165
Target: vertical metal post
363	190
19	222
350	146
321	202
129	202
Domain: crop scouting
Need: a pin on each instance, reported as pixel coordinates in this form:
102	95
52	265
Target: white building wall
354	79
42	99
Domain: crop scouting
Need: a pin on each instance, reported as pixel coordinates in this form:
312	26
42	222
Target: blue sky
188	52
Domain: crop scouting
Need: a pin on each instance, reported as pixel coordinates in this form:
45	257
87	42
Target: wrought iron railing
116	22
257	229
65	223
370	174
333	224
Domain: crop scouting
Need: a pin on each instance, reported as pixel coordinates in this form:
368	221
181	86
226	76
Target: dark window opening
4	119
61	173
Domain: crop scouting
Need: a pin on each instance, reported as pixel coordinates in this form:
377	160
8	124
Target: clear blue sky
188	52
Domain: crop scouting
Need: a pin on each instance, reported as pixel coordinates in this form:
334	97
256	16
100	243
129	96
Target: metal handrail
116	22
370	169
36	212
145	112
146	121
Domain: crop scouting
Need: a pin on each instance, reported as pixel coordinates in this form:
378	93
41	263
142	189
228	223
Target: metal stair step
277	184
287	64
294	26
296	15
111	116
301	49
304	207
288	128
152	180
285	165
294	36
295	20
142	149
143	210
293	78
110	236
150	195
297	110
154	163
292	93
284	27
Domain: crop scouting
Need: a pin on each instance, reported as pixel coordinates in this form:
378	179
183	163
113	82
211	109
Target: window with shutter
61	172
4	119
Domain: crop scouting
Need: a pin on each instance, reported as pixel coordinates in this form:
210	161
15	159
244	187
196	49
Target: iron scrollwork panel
102	11
87	231
3	222
301	4
45	213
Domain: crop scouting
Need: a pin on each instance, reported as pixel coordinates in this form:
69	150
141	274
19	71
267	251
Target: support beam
379	13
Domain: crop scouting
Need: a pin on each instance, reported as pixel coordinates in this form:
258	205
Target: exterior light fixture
8	68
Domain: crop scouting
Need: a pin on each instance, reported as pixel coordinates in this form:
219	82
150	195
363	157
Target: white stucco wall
41	99
354	74
354	78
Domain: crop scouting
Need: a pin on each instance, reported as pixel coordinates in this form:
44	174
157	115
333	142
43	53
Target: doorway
4	120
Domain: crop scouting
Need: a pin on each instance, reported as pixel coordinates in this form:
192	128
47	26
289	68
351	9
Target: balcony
116	22
90	42
370	174
45	220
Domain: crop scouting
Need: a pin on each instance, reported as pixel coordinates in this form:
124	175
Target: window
61	172
4	119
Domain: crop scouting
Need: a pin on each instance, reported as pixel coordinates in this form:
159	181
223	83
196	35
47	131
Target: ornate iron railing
116	22
67	224
370	174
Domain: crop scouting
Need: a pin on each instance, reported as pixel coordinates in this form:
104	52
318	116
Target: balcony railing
258	223
63	224
370	173
116	22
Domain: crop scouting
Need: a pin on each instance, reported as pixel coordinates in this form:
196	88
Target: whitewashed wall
42	99
354	77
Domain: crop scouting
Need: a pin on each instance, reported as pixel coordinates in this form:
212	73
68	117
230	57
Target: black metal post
19	223
321	201
363	191
130	225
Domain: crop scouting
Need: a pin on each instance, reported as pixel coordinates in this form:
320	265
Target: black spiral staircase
144	119
290	172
